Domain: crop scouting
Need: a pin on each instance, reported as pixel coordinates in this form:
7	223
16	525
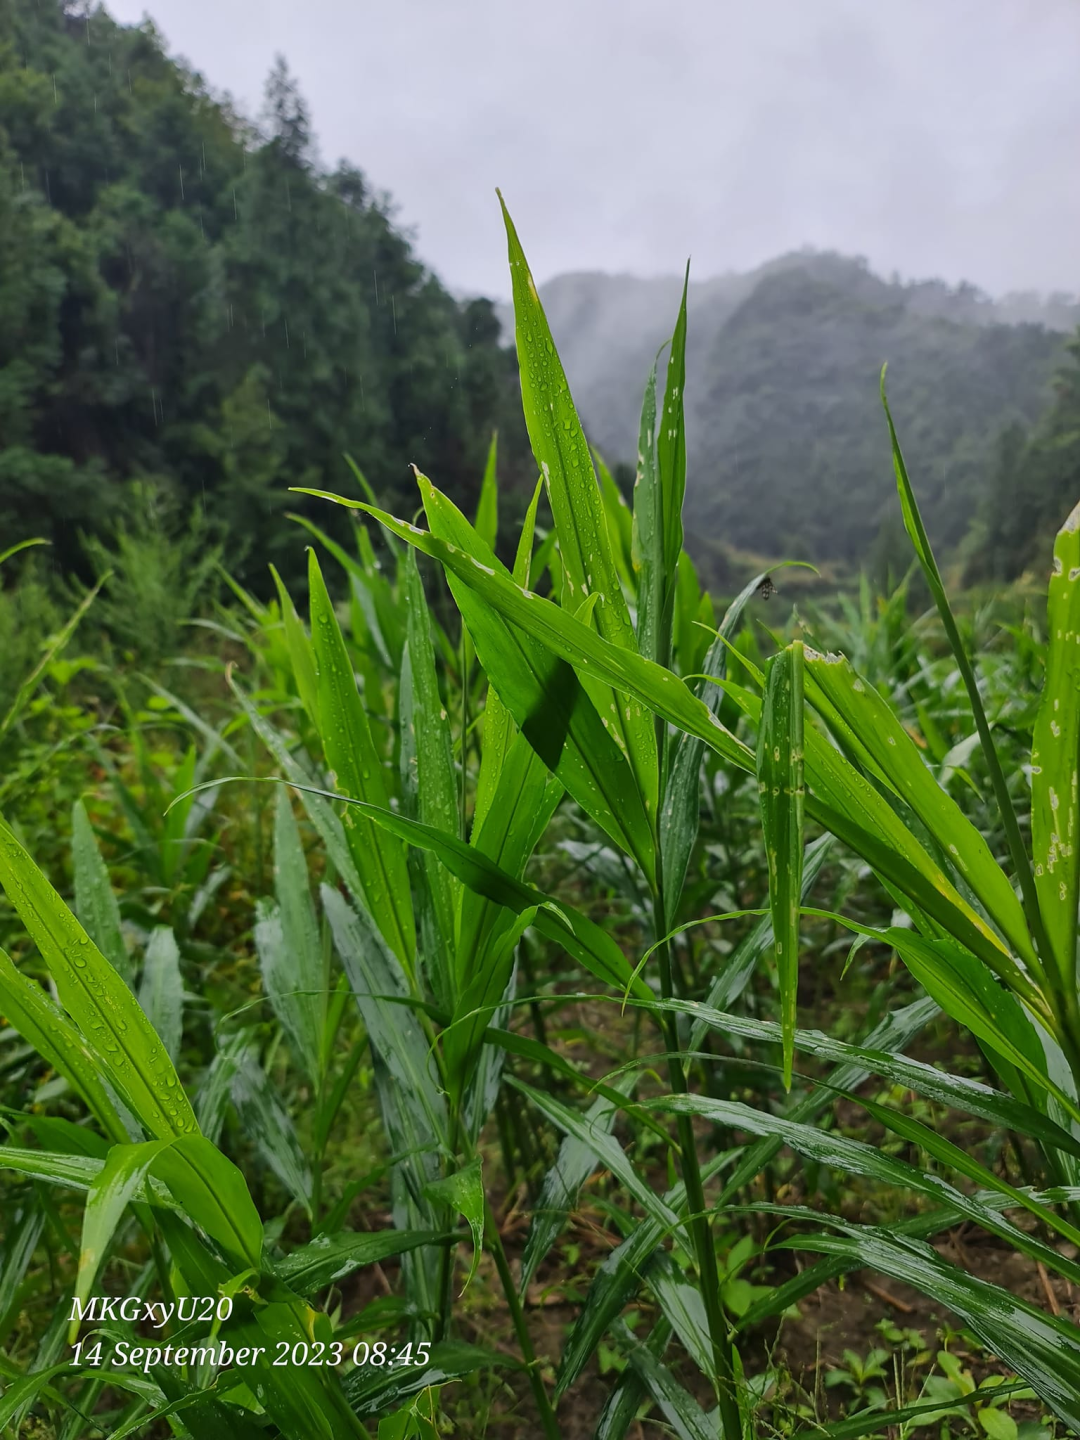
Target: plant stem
446	1271
161	1265
505	1142
257	802
316	1195
535	1013
521	1330
700	1230
465	667
446	1260
1021	864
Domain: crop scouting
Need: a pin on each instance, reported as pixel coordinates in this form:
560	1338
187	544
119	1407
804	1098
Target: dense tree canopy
192	304
792	446
788	452
1034	486
191	301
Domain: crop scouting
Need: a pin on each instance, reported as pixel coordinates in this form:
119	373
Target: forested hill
788	450
190	304
196	315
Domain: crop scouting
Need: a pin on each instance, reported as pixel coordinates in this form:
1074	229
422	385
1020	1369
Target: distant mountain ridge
787	448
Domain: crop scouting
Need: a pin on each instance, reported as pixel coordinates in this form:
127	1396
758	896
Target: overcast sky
935	137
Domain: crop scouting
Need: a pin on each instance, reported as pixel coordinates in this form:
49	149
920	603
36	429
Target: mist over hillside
787	447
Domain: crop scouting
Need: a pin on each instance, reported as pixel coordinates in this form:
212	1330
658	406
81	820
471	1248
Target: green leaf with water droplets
357	767
1043	1349
682	1412
207	1187
483	987
659	488
120	1177
372	1390
888	744
842	799
671	444
487	510
290	949
499	730
161	988
73	1172
620	523
647	543
95	903
265	1120
516	796
857	1157
125	1043
330	1258
563	455
970	995
971	1097
427	744
916	530
780	780
463	1191
573	1165
845	801
1055	759
299	648
544	695
679	812
574	642
44	1025
578	935
301	1402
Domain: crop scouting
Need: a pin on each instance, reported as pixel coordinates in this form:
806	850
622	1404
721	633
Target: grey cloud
940	137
